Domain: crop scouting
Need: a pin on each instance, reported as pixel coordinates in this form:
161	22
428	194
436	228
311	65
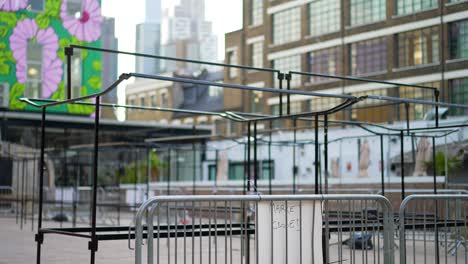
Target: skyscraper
148	35
109	62
186	34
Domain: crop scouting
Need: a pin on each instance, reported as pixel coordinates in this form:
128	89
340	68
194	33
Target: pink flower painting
25	31
52	71
13	5
88	26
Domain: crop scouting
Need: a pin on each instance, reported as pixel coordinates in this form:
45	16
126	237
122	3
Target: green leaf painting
17	92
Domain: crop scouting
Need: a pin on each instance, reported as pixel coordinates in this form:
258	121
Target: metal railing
265	229
434	228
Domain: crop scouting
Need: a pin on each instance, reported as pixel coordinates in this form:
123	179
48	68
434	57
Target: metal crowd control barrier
265	229
434	228
7	202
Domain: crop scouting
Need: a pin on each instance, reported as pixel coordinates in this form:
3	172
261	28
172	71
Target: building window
276	123
34	71
326	61
142	101
256	12
287	26
368	56
412	6
237	170
286	64
369	109
324	17
459	95
74	8
418	47
215	91
459	39
76	71
256	54
256	102
416	111
367	11
37	5
131	102
323	103
164	99
232	59
153	100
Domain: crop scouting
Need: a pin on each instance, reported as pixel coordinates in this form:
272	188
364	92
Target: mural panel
33	35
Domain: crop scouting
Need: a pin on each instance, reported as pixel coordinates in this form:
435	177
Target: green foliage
4	68
59	94
134	170
16	92
95	82
453	163
6	57
52	8
8	18
43	20
97	66
3	31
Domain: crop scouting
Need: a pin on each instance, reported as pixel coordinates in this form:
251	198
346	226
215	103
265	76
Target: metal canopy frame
237	117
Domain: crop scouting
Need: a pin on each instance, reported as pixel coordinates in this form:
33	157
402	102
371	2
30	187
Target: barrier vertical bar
288	96
280	79
255	159
316	156
382	165
270	165
294	155
39	238
69	53
93	245
402	162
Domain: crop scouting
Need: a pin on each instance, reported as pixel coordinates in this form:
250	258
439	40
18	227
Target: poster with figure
289	232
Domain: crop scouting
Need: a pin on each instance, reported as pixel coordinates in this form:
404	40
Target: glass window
459	39
326	61
74	8
459	95
142	101
34	71
367	11
131	101
323	103
256	102
276	123
153	100
215	91
256	54
368	56
286	64
324	17
237	170
164	99
232	59
37	5
412	6
257	12
417	111
418	47
287	26
76	69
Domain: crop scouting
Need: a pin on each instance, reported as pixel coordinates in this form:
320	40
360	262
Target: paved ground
18	247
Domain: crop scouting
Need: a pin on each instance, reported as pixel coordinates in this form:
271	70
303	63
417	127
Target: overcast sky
226	16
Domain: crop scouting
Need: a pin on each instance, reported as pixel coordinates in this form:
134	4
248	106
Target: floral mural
52	28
